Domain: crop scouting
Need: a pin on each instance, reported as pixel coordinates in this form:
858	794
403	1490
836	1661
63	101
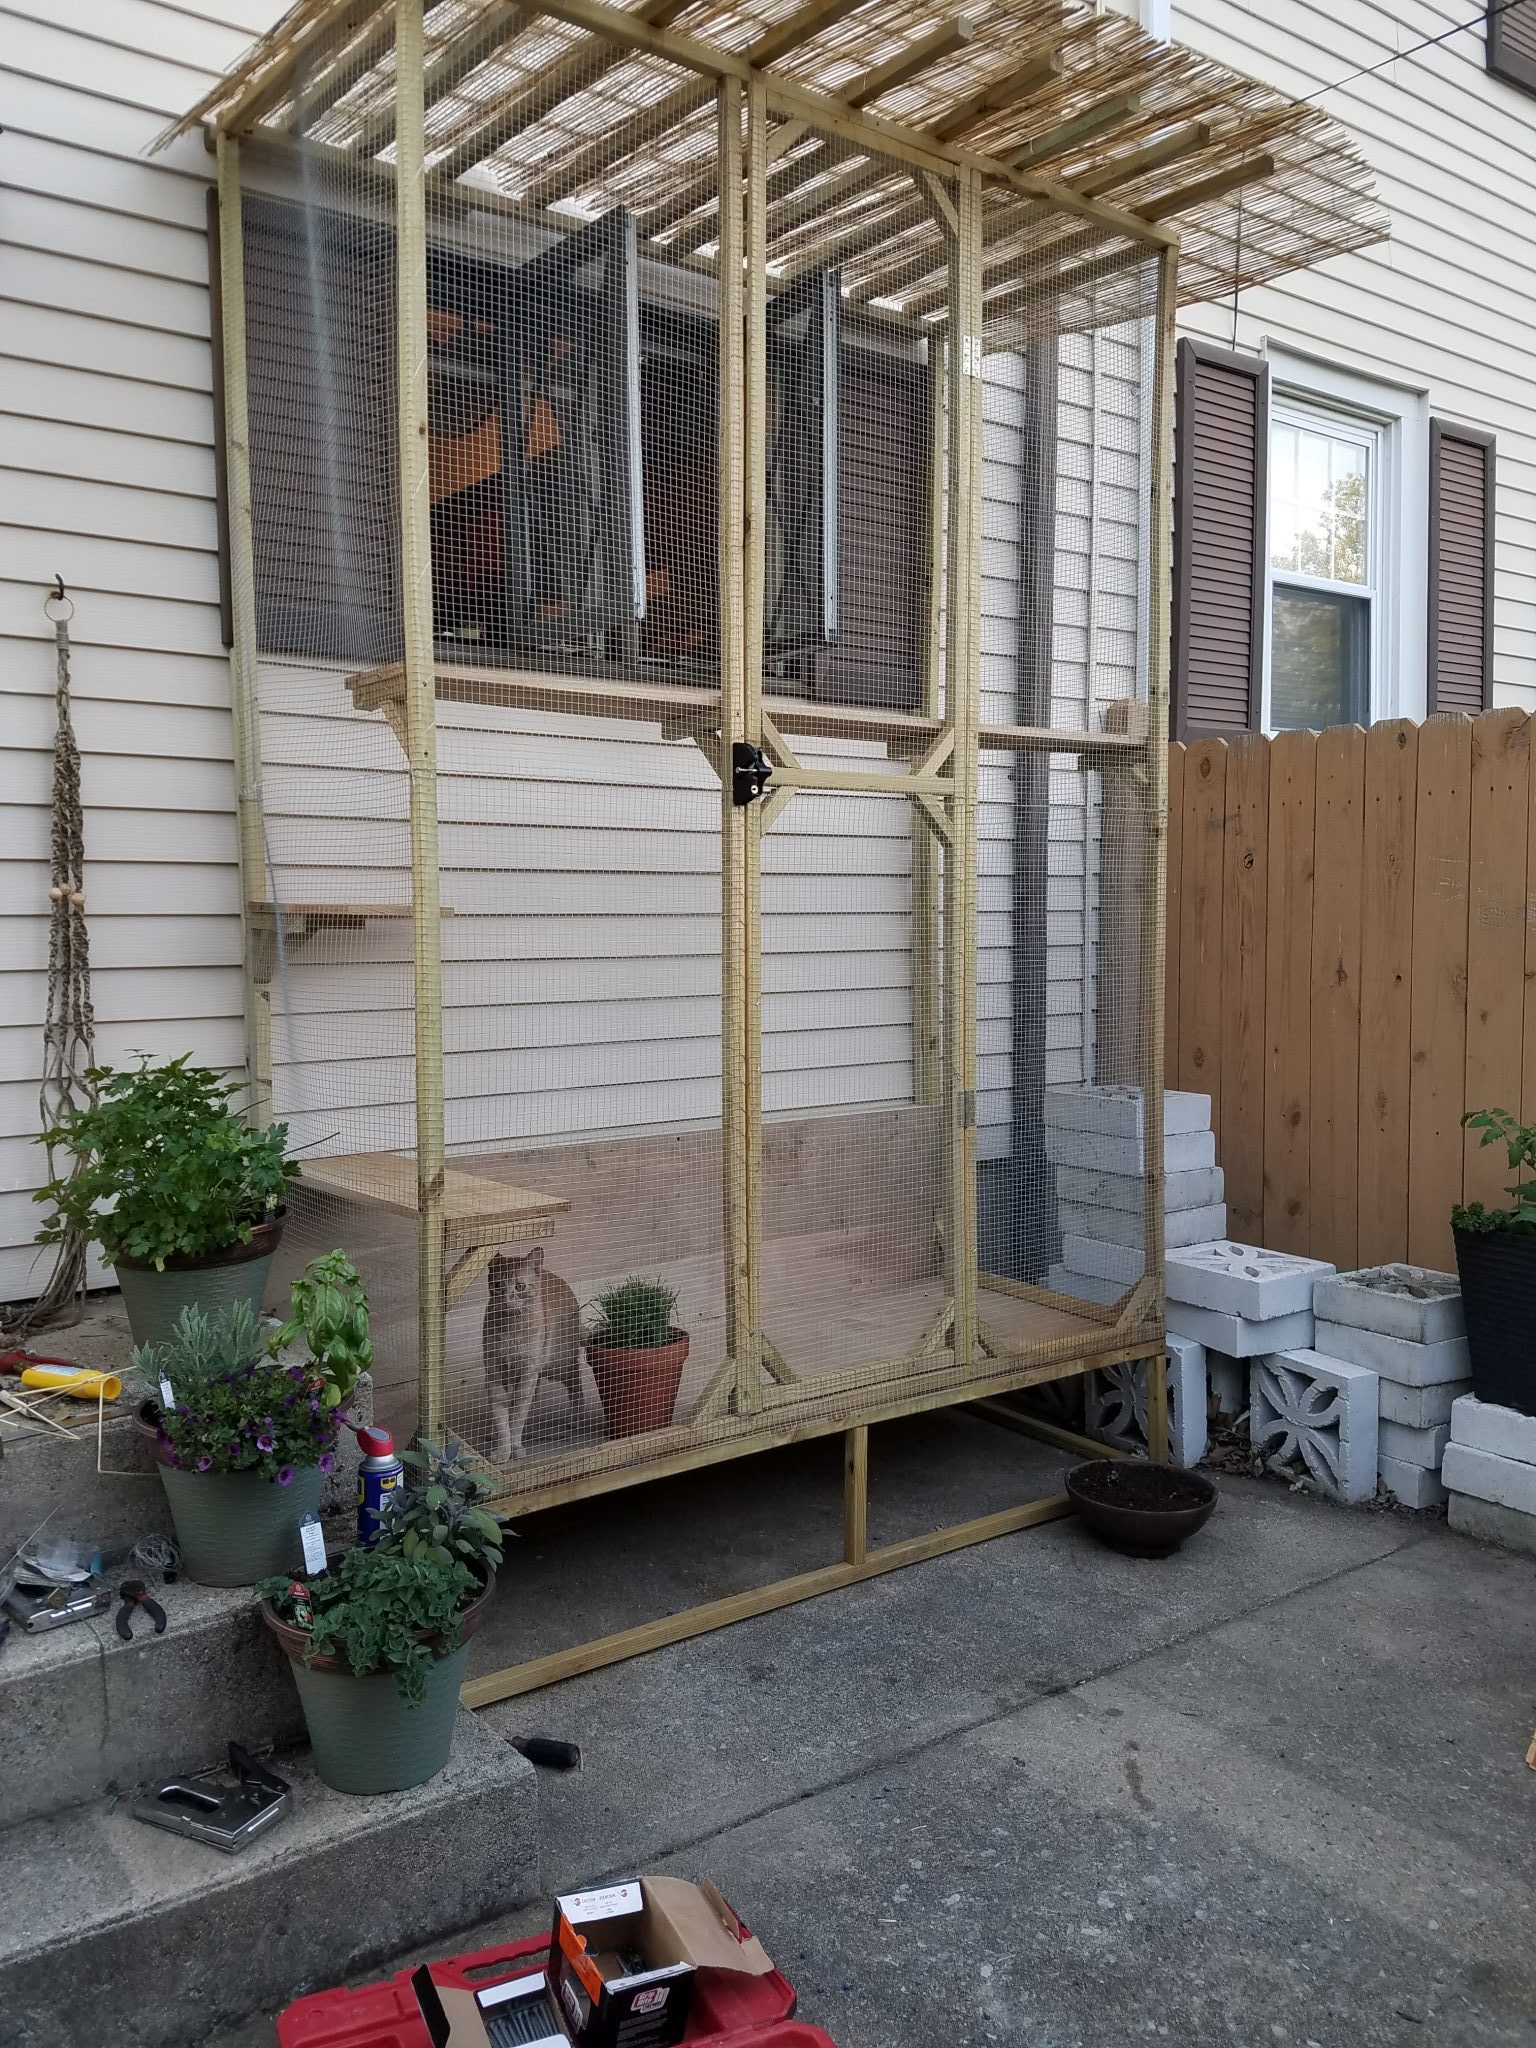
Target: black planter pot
1498	1298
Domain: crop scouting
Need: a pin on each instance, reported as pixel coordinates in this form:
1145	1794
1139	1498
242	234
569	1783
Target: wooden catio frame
978	180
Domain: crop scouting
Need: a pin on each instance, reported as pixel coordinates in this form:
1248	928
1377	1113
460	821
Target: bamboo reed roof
1096	140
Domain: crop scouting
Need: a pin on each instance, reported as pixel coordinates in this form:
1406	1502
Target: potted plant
244	1437
183	1196
1496	1258
378	1646
637	1353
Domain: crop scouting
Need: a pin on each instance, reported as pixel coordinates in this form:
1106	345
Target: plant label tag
312	1536
167	1398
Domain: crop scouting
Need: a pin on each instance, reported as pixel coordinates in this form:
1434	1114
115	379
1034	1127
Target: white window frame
1307	391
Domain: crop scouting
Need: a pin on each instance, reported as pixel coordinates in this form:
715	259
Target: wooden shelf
297	923
476	1211
690	708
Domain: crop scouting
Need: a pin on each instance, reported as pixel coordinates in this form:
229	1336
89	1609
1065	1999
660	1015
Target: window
1511	45
1324	567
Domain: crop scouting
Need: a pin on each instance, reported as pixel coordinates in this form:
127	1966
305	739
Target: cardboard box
623	1958
518	2014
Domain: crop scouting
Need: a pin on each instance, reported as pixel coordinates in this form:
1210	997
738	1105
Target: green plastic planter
234	1528
364	1737
217	1281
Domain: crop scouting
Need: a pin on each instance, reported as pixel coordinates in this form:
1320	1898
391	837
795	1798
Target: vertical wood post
244	676
856	1495
420	697
1153	948
962	714
927	1067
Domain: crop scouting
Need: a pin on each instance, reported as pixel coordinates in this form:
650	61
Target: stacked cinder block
1241	1300
1404	1324
1115	1403
1490	1472
1095	1139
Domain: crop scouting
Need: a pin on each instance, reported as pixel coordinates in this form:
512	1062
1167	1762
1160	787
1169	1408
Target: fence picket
1200	918
1439	1001
1334	1167
1288	992
1174	897
1245	885
1386	987
1496	893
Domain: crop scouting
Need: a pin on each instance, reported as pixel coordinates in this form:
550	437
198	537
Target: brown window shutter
1461	494
1220	526
1512	42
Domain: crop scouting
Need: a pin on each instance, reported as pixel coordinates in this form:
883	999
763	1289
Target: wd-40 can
380	1472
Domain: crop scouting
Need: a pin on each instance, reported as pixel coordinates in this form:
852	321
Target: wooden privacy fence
1351	964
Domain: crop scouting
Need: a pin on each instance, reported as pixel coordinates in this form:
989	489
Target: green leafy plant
637	1314
382	1611
164	1167
438	1509
330	1312
1499	1127
232	1408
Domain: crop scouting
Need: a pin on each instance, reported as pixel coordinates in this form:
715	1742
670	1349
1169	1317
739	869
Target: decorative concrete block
1489	1523
1395	1358
1487	1426
1116	1112
1197	1189
1415	1407
1238	1336
1227	1383
1124	1226
1123	1263
1413	1485
1115	1404
1412	1302
1509	1482
1183	1151
1316	1415
1424	1447
1086	1286
1243	1280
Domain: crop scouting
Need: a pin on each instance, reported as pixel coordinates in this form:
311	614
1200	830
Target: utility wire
1458	28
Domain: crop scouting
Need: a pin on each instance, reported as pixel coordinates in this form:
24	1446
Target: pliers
133	1593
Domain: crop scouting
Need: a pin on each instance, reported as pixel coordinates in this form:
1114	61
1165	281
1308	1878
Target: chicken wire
577	440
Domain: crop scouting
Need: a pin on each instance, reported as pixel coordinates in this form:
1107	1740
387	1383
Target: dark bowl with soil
1145	1510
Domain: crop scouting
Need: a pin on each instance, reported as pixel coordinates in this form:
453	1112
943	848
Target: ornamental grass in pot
637	1355
378	1646
1496	1259
243	1433
184	1197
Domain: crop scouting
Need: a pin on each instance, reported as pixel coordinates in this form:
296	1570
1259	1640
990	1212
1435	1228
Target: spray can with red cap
378	1475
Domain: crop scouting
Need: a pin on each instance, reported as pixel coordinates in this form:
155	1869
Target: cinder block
1243	1279
1487	1522
1316	1415
1086	1286
1183	1151
1197	1189
1412	1302
1488	1426
1395	1358
1115	1407
1424	1447
1237	1336
1416	1407
1116	1112
1509	1482
1124	1226
1227	1381
1122	1263
1411	1484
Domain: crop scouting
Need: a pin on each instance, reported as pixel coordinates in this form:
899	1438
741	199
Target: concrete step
82	1713
116	1931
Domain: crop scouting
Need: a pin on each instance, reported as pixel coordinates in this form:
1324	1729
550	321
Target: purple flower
266	1441
162	1438
234	1449
289	1399
296	1372
284	1475
327	1461
314	1405
205	1463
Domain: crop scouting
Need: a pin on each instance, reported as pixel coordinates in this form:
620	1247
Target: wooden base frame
858	1561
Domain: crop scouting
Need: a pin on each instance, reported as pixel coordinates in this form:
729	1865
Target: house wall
1447	309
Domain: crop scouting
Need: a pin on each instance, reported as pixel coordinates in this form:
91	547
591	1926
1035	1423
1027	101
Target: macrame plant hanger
69	1028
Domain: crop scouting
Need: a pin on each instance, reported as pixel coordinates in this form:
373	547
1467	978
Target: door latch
750	770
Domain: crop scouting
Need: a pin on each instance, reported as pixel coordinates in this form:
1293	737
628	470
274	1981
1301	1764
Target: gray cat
532	1331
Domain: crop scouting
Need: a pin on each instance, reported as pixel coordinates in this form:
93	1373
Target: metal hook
58	586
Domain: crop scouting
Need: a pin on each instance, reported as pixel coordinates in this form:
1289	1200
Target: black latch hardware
750	770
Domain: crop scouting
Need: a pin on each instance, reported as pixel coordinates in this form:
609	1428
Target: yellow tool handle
82	1381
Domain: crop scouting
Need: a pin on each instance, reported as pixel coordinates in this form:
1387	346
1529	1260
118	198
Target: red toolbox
753	2012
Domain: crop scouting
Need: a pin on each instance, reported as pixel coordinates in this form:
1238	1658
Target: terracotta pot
210	1281
234	1528
638	1388
364	1737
